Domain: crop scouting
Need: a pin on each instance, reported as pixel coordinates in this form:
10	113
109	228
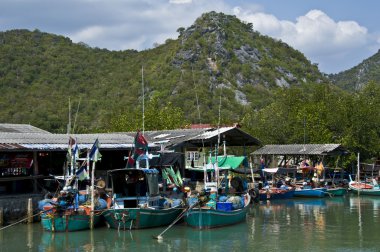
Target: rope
22	220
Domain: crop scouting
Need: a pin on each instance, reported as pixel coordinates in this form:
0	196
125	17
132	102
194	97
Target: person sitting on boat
306	185
47	201
280	183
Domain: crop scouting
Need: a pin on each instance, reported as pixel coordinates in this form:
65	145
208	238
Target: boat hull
310	193
206	218
364	189
277	195
138	218
67	223
336	191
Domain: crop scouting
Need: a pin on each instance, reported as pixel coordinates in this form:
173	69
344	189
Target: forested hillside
218	54
219	62
357	77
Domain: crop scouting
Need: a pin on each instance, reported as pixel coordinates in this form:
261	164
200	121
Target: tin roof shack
29	155
301	160
196	143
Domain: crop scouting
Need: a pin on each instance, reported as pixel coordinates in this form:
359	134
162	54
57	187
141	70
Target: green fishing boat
72	209
136	200
336	191
222	215
68	222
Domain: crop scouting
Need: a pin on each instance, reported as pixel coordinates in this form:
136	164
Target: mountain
355	78
219	59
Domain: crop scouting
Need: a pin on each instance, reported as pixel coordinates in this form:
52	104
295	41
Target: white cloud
138	24
315	33
88	34
312	33
180	1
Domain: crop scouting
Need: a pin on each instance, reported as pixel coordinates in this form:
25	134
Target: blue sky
335	34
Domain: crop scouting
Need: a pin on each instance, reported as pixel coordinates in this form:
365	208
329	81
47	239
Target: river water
349	223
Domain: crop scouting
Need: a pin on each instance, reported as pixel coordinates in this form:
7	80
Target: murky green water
347	223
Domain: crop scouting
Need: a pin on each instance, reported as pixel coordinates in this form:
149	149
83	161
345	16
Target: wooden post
35	170
1	216
30	211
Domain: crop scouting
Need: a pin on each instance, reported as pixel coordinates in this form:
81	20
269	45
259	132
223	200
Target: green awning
224	163
229	162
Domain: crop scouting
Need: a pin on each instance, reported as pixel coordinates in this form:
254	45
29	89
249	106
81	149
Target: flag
82	173
179	178
75	151
141	145
140	148
94	153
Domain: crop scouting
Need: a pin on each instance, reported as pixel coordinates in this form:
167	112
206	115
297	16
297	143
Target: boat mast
358	173
217	149
143	99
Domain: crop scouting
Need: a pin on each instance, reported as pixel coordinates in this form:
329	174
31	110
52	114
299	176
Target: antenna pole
196	95
76	114
143	100
69	124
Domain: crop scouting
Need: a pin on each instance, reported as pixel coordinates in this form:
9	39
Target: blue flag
94	153
82	173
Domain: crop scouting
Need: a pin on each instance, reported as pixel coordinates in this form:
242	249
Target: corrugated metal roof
169	138
299	149
172	138
41	141
21	128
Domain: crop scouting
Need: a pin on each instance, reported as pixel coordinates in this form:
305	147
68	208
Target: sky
335	34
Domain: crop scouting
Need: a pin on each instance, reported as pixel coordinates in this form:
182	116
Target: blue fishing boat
276	193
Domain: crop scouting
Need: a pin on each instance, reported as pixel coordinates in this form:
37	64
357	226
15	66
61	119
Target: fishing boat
64	215
279	190
136	198
336	191
225	213
363	188
309	192
137	203
72	209
276	193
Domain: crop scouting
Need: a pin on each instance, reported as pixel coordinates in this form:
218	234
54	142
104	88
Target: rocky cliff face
236	56
355	78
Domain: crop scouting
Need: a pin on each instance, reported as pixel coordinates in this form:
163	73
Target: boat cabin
132	188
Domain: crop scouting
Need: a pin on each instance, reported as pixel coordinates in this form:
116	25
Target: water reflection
347	223
66	241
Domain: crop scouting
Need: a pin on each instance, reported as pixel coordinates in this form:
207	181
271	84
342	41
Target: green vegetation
267	86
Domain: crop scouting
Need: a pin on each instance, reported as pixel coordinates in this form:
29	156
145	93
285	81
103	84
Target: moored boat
136	200
336	191
73	210
205	217
276	193
310	192
68	220
364	188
